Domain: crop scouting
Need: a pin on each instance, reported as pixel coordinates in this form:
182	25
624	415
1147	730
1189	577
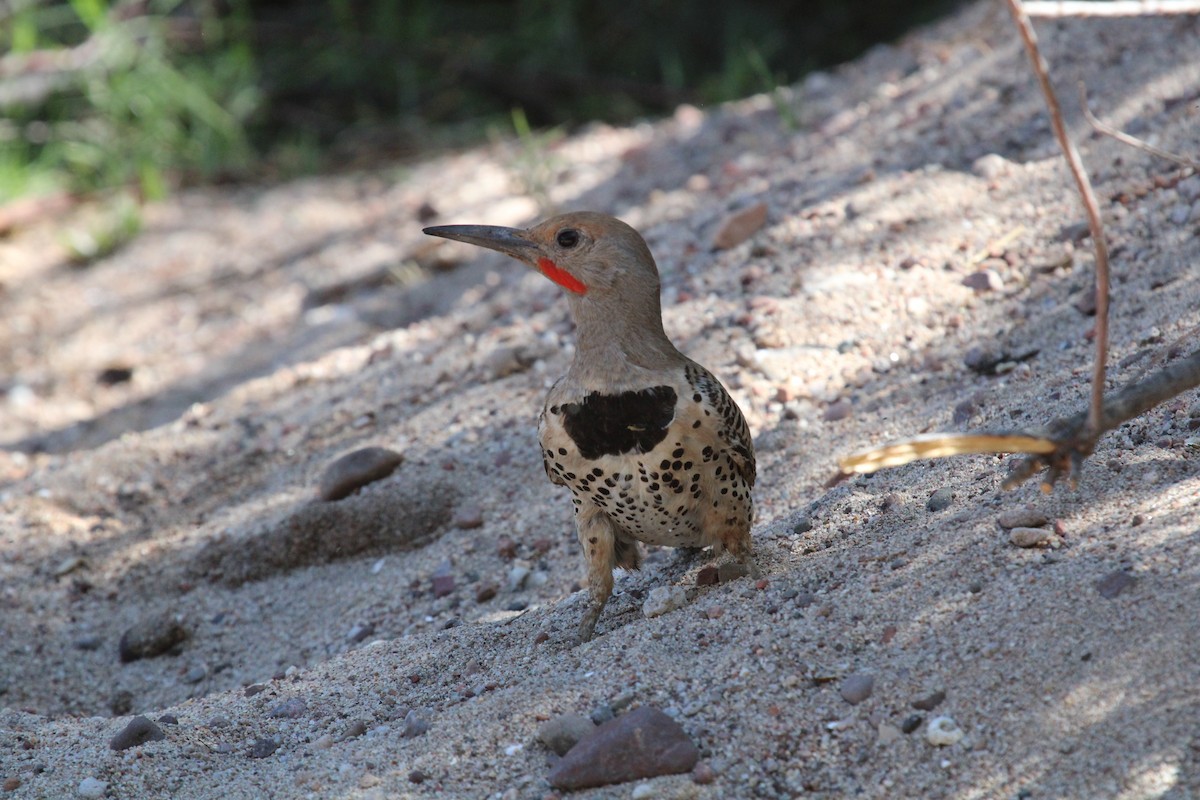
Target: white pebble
642	791
513	749
943	732
91	787
664	599
517	576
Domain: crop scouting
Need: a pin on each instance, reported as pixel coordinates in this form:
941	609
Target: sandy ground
265	331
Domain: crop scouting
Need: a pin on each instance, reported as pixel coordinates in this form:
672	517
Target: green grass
172	92
135	113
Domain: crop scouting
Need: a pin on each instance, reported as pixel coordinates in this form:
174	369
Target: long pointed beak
509	241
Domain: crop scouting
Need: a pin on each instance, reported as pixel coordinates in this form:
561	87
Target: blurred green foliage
141	95
150	93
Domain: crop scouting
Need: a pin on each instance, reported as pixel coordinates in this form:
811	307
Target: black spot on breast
614	424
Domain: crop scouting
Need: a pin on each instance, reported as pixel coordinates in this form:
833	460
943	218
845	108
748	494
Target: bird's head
595	257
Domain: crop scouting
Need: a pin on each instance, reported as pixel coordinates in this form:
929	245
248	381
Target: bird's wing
731	432
555	476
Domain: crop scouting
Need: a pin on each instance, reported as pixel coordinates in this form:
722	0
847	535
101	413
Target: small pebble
112	375
930	701
663	600
443	585
943	732
485	592
856	688
168	719
196	674
89	643
417	776
1114	583
940	500
139	731
703	774
91	787
739	226
355	470
985	280
1030	537
803	524
12	784
911	723
708	576
561	733
262	748
1086	303
152	636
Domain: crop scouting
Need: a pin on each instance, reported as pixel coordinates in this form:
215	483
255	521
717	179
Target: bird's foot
587	626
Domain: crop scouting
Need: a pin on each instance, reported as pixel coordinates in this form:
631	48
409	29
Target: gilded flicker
650	444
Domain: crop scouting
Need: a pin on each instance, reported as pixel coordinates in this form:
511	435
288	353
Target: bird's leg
597	533
738	545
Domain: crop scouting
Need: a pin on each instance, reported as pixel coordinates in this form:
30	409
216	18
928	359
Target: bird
649	442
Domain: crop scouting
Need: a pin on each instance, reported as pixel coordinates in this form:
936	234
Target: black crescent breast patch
614	424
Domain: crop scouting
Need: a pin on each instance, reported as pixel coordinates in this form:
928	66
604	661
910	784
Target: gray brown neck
615	347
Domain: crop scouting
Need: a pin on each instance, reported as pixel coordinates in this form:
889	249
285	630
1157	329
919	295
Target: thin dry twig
1090	205
1125	138
1115	8
1061	447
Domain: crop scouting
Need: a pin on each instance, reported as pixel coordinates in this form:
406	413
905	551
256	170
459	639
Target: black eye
567	237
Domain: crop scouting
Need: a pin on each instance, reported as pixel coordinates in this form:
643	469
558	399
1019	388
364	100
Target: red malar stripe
561	276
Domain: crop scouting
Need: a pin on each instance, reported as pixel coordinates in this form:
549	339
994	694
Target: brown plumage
649	442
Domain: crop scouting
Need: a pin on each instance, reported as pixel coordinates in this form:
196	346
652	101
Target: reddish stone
644	743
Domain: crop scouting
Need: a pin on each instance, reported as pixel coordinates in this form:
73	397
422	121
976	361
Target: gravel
188	489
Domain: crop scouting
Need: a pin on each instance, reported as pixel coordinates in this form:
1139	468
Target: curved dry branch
1061	447
1090	205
